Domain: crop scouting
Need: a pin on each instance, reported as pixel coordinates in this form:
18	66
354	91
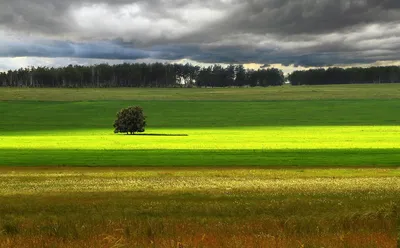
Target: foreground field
66	207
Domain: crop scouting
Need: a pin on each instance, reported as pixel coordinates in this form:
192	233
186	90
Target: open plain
259	167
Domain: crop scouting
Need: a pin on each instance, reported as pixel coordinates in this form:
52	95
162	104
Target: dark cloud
265	66
52	16
219	54
298	32
288	17
266	57
97	50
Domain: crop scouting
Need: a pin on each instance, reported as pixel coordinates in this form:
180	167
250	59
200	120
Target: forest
353	75
156	75
159	75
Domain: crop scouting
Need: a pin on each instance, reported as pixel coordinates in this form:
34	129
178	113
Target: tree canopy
130	120
354	75
187	75
141	75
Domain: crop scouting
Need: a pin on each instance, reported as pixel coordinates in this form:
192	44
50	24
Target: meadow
203	133
258	167
335	92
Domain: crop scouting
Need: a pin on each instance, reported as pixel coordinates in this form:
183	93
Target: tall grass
198	208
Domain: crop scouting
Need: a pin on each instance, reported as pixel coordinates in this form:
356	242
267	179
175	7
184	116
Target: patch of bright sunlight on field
332	137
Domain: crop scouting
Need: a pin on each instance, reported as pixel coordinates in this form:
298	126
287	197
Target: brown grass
227	208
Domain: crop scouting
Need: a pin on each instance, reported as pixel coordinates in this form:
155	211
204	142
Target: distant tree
130	120
240	79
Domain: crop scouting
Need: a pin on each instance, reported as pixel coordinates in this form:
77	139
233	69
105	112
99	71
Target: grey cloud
51	16
220	54
41	16
288	17
97	50
269	16
33	16
254	31
229	54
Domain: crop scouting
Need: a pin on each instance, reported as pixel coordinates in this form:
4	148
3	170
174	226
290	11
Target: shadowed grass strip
188	158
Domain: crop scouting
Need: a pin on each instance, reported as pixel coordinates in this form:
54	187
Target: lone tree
130	120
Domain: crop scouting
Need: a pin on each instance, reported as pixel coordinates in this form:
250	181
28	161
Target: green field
258	167
335	92
202	132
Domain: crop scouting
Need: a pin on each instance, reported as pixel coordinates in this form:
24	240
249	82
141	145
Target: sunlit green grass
203	133
222	132
241	138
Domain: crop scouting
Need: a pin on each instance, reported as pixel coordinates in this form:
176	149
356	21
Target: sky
288	34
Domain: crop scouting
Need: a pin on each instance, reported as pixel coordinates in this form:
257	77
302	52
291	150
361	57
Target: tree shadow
161	134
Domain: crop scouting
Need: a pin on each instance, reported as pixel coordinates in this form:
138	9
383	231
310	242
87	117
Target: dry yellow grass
167	181
120	207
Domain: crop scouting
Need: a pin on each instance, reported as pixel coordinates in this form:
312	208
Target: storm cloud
288	32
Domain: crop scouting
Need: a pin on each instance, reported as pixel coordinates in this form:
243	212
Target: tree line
187	75
141	75
354	75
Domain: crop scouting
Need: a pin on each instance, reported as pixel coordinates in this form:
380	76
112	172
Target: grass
211	158
265	138
203	133
24	116
199	178
335	92
120	207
